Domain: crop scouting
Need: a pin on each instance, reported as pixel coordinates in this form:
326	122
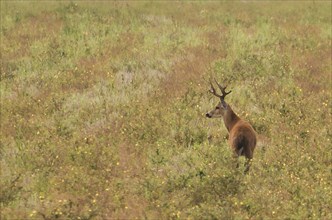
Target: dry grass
102	110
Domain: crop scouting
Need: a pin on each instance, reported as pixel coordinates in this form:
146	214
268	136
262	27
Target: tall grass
103	103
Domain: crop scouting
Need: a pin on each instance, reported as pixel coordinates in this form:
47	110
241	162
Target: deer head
222	106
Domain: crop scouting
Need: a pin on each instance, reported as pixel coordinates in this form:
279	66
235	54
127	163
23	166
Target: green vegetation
103	103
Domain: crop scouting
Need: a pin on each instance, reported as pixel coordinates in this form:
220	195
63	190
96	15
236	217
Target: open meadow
103	109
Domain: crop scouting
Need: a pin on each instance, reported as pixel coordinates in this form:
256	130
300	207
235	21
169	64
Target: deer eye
217	107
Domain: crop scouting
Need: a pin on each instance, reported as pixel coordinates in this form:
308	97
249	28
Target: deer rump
243	141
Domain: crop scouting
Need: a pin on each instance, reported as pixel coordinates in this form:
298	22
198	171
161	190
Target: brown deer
242	136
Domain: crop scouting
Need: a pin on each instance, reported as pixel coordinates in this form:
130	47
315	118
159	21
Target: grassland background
102	109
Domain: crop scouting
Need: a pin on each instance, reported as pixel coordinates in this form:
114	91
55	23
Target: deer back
242	139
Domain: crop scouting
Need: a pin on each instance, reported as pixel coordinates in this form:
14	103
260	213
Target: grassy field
103	104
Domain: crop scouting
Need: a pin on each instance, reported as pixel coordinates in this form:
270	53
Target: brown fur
242	136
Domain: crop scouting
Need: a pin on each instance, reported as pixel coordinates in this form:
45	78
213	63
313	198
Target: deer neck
230	118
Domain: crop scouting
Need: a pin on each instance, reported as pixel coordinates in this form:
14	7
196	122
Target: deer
242	136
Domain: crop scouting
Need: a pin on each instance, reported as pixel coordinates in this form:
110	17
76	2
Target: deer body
242	136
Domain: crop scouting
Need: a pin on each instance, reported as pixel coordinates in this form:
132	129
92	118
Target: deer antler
213	90
222	89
